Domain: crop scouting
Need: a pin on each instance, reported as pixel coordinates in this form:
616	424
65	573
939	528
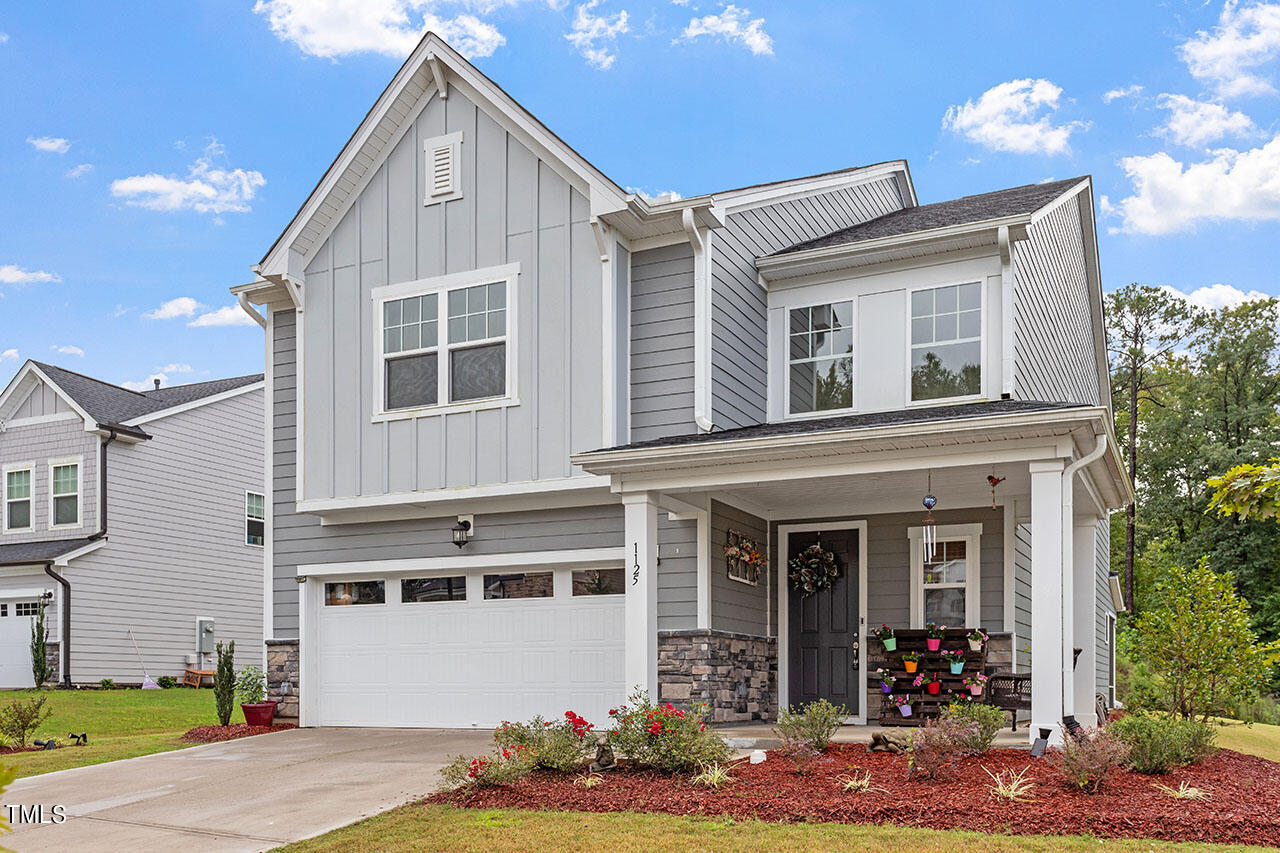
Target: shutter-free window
443	161
18	500
255	519
66	494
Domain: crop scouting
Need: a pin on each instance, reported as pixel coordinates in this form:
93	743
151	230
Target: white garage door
15	643
467	650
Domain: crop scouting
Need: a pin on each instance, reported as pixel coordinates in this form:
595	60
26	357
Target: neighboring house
478	338
140	514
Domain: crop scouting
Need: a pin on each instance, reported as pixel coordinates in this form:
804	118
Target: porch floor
746	736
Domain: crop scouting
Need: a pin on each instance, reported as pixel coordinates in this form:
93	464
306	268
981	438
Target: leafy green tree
1198	644
1249	491
40	669
224	682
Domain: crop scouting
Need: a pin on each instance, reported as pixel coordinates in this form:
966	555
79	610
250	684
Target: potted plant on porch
910	661
903	704
886	680
251	690
954	657
976	683
933	636
885	635
977	639
928	682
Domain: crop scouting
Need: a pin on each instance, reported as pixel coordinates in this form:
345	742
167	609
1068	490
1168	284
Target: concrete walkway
245	795
745	736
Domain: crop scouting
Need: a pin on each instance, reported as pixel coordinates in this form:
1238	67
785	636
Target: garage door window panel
518	585
599	582
344	593
421	590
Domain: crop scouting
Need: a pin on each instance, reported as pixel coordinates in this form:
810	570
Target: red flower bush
665	737
562	746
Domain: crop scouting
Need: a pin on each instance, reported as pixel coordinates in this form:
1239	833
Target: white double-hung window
17	497
820	358
945	584
446	342
946	342
64	503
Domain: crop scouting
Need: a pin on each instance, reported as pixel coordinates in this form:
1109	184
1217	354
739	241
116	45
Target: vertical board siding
513	209
176	549
39	402
736	606
661	398
38	443
1104	606
677	574
1053	331
739	338
1022	595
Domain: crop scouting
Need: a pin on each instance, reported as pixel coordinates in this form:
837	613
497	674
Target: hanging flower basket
910	661
813	570
977	639
903	704
885	635
745	558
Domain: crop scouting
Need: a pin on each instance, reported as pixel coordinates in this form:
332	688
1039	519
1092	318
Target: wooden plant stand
924	705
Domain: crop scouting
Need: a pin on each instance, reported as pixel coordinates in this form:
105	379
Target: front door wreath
813	570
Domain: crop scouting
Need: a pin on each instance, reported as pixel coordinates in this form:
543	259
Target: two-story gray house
519	413
136	517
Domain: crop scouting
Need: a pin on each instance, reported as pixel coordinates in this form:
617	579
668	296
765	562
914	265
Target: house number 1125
635	570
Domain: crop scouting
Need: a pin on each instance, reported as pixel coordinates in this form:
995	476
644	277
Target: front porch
1028	564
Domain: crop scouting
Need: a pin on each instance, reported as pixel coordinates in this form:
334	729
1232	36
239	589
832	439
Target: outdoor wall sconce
462	531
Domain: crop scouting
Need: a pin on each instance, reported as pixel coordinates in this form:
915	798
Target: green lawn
450	830
120	723
1257	739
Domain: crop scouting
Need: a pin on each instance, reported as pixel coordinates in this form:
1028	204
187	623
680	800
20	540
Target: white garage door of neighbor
471	650
15	644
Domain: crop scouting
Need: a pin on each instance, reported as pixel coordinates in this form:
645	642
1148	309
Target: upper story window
447	344
17	498
820	358
64	508
255	519
946	342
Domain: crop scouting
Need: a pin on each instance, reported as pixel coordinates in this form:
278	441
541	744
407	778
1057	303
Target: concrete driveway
245	795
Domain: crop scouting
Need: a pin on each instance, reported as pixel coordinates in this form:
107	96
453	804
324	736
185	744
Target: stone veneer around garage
282	676
735	674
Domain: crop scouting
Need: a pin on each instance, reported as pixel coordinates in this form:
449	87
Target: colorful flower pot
890	643
910	665
905	709
957	667
975	689
975	645
933	643
886	687
934	687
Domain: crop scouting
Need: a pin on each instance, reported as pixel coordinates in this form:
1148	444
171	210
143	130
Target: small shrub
21	717
1011	787
167	681
251	686
987	718
1182	792
712	776
40	669
588	780
107	684
664	737
852	783
501	767
224	682
1088	762
562	746
1159	743
938	743
814	724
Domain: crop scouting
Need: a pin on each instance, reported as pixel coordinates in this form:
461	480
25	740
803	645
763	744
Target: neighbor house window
518	585
255	519
946	342
354	592
433	589
448	346
17	499
599	582
65	481
820	358
945	584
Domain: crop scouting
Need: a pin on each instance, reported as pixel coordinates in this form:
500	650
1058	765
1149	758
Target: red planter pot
260	714
934	687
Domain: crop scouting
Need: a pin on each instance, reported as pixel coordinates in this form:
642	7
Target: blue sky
150	155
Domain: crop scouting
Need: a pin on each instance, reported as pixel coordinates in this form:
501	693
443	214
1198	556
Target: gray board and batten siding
662	349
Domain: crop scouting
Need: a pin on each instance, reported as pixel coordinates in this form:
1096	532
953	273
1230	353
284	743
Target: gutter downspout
701	324
1068	567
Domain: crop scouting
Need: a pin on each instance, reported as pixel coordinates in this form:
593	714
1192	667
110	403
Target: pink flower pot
975	689
933	644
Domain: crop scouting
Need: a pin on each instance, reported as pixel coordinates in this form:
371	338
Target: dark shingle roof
960	211
868	420
39	552
111	405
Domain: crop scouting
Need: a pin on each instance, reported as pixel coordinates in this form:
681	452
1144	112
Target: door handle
857	644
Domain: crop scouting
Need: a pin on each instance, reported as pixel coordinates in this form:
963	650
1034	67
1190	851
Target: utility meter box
204	636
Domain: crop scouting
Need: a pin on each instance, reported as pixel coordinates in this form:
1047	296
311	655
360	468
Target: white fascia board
750	197
468	562
195	404
564	485
79	552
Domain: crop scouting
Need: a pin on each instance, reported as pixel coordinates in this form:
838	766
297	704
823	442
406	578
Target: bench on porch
1011	693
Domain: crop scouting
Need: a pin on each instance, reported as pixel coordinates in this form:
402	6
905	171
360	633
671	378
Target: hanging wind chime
930	533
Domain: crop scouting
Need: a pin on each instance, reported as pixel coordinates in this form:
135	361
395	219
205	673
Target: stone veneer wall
53	656
736	674
282	676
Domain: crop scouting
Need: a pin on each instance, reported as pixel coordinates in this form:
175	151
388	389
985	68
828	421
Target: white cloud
206	189
5	355
1169	196
334	28
658	197
174	368
120	311
147	384
1198	123
182	306
1216	296
589	31
1125	92
49	144
231	315
79	171
14	274
67	349
4	37
1229	57
732	26
1015	117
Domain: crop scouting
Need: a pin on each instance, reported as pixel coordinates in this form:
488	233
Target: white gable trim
22	382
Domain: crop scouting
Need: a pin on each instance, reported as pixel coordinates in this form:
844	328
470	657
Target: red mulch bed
214	734
10	750
1244	808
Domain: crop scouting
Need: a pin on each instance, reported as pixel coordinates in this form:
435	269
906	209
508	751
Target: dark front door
823	627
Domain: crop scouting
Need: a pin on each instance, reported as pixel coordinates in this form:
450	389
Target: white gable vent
443	155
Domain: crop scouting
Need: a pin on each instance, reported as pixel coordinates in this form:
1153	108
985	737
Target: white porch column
1085	617
640	666
1047	601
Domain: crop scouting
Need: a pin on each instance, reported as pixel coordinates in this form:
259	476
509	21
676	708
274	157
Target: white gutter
1006	312
1068	566
701	323
243	299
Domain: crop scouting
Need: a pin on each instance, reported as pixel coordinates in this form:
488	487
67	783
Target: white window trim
982	344
1111	652
971	535
438	286
453	141
785	358
77	461
29	467
248	518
